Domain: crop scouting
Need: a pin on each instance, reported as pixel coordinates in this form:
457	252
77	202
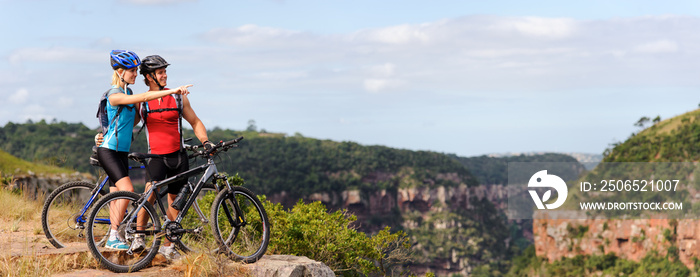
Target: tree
251	126
642	121
657	119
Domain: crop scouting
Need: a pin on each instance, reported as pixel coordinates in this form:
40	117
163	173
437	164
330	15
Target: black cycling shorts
167	166
115	163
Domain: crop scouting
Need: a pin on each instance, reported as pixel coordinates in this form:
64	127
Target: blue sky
462	77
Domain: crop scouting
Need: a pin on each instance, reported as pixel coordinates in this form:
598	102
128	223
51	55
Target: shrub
310	230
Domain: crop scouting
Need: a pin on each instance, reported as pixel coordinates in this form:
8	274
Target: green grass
12	165
669	125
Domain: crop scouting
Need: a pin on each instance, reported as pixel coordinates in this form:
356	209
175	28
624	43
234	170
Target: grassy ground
20	224
20	228
12	165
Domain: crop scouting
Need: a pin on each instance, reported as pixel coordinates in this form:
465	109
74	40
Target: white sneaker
170	253
138	245
116	244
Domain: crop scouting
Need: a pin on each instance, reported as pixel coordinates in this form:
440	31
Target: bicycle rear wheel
65	212
201	241
98	228
240	225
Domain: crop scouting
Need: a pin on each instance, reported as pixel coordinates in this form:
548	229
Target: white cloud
466	54
251	34
537	26
65	102
382	78
401	34
35	112
281	76
156	2
517	52
378	85
386	69
34	109
19	97
659	46
57	55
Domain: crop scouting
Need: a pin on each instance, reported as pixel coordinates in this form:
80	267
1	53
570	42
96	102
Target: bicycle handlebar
222	145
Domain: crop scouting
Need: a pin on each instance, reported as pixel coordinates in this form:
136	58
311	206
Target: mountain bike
238	221
64	213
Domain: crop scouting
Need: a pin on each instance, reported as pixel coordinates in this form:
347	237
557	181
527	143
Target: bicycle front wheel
99	228
240	225
65	212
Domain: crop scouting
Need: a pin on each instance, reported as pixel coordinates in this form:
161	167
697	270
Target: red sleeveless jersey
162	127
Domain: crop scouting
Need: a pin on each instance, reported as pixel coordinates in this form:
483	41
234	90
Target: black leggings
167	166
115	163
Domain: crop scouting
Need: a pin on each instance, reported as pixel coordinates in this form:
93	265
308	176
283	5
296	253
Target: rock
41	186
267	266
289	266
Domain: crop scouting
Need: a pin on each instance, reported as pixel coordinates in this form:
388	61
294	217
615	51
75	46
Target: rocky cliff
41	185
628	238
421	199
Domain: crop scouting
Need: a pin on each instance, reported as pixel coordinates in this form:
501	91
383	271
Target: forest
274	162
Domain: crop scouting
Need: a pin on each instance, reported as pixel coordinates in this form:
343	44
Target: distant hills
588	160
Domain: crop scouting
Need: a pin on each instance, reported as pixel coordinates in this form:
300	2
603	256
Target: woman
114	149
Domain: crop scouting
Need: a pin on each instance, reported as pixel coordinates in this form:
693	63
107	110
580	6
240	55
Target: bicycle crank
173	231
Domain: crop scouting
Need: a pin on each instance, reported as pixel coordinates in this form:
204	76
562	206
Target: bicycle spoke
98	231
202	241
241	224
64	213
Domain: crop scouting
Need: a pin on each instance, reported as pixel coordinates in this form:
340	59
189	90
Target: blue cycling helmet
123	59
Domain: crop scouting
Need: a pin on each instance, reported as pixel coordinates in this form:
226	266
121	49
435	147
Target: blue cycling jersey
118	135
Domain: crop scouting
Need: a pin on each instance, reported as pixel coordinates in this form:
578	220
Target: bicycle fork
80	218
239	220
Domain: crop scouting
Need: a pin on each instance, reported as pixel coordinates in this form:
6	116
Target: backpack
147	110
102	117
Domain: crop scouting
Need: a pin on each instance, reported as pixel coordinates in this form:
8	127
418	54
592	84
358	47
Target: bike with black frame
237	221
65	210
